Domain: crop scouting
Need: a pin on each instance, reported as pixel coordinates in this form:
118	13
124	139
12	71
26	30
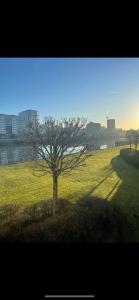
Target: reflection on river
10	154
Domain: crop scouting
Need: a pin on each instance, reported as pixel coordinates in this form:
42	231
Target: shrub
131	156
89	220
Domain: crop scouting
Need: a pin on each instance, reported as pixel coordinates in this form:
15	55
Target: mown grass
19	185
105	175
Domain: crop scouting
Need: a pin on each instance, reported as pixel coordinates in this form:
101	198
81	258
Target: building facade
92	128
26	117
111	124
2	124
8	124
13	125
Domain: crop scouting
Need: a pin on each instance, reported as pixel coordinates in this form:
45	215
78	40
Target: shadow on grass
97	185
92	189
129	187
113	189
127	195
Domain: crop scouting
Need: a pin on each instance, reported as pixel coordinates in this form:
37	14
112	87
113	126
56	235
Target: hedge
131	156
88	220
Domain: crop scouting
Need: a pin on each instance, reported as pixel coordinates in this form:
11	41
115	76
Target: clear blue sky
92	87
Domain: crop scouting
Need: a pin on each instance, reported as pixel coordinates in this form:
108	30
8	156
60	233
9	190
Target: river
10	154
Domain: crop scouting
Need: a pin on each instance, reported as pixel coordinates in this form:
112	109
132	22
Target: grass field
105	175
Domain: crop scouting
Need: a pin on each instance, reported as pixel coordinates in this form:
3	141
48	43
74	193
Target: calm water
12	154
18	153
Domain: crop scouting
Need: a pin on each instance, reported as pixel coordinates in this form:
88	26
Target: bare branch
57	147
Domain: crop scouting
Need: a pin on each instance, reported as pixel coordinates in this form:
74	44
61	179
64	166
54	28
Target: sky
95	88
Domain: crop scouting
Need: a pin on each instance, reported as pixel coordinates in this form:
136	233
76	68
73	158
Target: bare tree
130	136
136	140
58	147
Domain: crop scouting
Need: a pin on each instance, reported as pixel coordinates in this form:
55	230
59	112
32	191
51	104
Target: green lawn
105	175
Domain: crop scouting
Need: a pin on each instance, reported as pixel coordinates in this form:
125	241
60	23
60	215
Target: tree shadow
93	188
113	189
129	187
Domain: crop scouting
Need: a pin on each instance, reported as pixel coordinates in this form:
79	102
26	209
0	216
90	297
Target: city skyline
58	87
108	120
11	126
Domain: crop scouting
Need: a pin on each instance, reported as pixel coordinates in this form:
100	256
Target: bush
131	156
89	220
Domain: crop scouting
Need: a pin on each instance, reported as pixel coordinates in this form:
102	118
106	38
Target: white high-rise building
26	117
13	125
8	124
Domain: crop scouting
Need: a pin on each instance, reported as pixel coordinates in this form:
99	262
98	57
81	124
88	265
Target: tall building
13	125
25	117
111	124
8	124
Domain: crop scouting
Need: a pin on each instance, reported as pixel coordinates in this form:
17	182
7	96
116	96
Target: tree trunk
55	195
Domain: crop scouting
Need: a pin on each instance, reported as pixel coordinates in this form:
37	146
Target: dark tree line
133	137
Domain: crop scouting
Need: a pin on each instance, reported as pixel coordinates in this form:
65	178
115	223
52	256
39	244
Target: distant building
111	124
8	124
2	124
13	125
93	127
26	117
120	132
